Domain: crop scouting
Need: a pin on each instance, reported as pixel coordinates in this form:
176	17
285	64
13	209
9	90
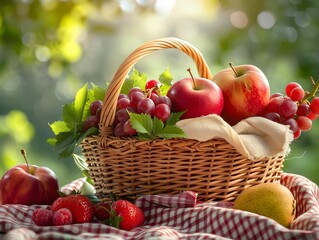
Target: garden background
50	48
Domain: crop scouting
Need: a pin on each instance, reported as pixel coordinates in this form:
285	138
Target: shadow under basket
130	168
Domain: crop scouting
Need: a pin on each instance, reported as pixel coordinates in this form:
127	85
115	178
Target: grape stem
313	91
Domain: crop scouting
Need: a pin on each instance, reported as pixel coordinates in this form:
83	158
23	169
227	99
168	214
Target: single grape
287	108
274	104
135	89
121	115
164	99
304	123
98	113
162	112
146	106
123	103
94	106
292	123
290	86
275	117
274	95
314	105
89	122
135	97
153	84
297	133
118	130
128	129
303	109
122	95
312	116
297	94
154	97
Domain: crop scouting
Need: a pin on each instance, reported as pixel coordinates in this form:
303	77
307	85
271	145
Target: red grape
146	106
123	103
128	129
122	95
89	122
164	99
94	106
162	112
272	116
155	84
297	133
274	95
290	86
274	104
122	115
297	94
314	105
303	109
292	123
135	89
287	108
304	123
312	116
136	97
119	130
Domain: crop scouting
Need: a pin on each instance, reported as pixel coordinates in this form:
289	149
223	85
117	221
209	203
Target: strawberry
129	214
102	211
80	206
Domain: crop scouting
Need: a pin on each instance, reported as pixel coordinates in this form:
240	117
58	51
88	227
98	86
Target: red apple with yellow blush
246	92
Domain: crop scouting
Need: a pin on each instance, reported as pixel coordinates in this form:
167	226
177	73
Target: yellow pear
271	200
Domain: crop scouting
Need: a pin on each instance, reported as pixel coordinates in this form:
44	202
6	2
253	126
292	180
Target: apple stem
232	67
24	154
190	73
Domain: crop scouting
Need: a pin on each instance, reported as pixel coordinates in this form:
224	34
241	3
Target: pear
271	200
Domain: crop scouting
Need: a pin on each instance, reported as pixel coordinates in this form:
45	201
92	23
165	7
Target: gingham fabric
178	217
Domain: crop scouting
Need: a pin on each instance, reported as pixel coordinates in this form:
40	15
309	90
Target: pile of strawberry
76	208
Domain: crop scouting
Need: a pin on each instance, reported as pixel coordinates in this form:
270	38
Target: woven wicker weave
130	168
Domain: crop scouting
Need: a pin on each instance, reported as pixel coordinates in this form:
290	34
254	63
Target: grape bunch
94	117
297	109
140	101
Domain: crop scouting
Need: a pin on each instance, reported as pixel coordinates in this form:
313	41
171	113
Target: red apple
28	184
246	92
196	96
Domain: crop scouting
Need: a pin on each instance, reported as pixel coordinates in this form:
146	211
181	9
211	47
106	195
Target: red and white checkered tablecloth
179	217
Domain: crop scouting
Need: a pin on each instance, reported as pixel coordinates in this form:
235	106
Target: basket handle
113	90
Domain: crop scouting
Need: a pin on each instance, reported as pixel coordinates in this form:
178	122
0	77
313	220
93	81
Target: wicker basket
130	168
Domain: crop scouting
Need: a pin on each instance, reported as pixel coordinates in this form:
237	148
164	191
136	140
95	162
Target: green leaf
149	128
79	103
171	131
158	125
59	126
69	115
165	78
174	118
142	123
65	144
135	79
98	92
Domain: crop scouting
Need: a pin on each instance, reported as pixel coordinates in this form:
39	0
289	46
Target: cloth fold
254	137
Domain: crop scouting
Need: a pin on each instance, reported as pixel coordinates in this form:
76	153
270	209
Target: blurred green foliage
48	49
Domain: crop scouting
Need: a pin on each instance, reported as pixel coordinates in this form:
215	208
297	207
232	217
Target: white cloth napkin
254	137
